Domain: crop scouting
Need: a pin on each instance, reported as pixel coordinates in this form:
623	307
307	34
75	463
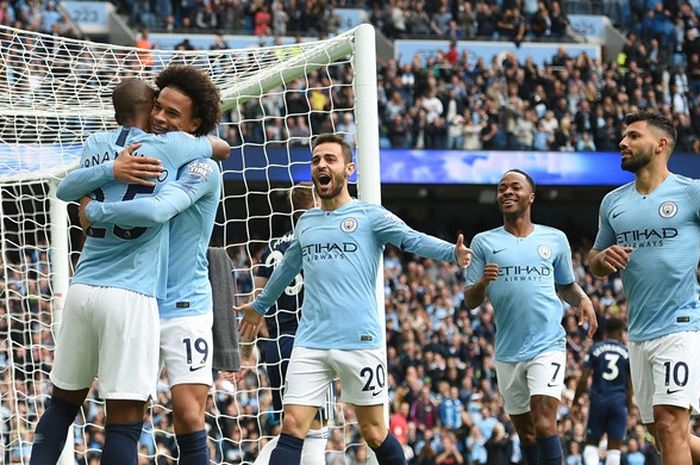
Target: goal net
55	92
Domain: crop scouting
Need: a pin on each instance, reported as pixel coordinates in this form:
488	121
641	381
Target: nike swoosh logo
198	368
376	393
616	214
673	391
552	385
498	251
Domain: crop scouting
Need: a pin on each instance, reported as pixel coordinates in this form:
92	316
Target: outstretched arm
284	273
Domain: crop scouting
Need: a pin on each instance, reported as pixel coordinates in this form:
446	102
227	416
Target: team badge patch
348	225
545	251
668	209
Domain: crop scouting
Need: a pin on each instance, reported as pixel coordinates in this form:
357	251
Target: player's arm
573	295
220	150
391	229
199	178
479	275
568	290
606	256
125	168
284	273
581	386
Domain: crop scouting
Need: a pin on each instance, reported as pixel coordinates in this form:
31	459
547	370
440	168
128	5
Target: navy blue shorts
607	416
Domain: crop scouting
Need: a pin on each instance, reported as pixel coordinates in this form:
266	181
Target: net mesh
54	92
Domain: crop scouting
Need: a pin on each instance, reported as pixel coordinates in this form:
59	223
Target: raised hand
462	252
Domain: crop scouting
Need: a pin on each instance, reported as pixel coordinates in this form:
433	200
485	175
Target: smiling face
638	145
330	170
173	112
514	194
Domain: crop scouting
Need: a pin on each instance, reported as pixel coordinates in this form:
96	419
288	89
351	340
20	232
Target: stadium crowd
445	405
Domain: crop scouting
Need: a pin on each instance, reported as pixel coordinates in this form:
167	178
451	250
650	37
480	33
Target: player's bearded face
329	171
637	147
634	159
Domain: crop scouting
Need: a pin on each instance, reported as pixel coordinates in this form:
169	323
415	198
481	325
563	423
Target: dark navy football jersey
283	317
609	363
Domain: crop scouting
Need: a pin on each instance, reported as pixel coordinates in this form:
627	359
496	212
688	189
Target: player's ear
195	123
349	169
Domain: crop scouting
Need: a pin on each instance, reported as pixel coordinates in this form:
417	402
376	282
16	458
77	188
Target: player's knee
545	426
374	434
188	420
292	426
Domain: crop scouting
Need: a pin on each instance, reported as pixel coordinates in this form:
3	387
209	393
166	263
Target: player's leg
308	376
694	445
128	327
314	451
676	373
363	377
595	426
75	367
124	422
672	435
512	383
185	348
545	378
615	426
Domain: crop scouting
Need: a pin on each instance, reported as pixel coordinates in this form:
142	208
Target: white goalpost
54	92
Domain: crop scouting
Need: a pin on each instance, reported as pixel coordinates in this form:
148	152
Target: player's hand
136	169
250	324
490	273
586	314
615	257
84	222
462	252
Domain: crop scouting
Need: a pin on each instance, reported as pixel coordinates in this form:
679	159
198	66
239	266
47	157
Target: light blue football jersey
191	202
527	308
339	251
663	227
116	255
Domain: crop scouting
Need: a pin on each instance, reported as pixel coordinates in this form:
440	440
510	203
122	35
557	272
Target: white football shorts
362	376
542	375
186	349
666	371
110	333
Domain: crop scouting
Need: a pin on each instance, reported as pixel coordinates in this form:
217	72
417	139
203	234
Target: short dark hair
528	178
614	325
131	98
301	196
199	87
656	120
329	138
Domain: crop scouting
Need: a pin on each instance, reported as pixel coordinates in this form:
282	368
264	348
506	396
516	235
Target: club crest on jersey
348	225
668	209
545	251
